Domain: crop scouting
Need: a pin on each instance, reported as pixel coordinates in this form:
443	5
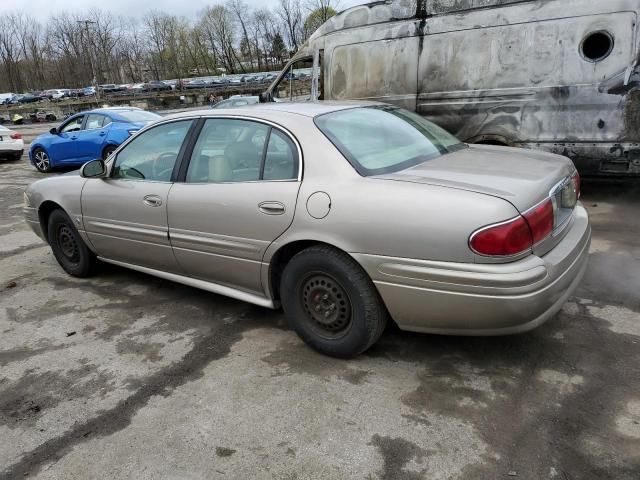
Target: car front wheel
67	245
331	302
41	160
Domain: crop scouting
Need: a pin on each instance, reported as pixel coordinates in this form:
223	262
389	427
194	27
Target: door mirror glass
53	131
93	169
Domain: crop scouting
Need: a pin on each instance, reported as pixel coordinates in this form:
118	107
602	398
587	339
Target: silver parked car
343	213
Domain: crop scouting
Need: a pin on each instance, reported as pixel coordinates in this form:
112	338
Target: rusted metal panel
524	73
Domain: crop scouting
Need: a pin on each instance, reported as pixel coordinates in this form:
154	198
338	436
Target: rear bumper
482	299
12	149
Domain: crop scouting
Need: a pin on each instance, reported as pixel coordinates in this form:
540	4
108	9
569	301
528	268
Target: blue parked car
87	136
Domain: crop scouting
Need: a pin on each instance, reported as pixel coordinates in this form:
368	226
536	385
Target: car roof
107	110
307	109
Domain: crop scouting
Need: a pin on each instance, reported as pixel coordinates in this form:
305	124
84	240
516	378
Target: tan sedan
345	214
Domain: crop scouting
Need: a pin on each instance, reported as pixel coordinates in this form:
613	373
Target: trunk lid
521	177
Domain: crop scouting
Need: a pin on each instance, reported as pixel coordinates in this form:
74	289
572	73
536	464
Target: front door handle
271	208
152	200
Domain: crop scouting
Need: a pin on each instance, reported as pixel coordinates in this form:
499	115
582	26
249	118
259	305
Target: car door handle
152	200
74	138
271	208
102	134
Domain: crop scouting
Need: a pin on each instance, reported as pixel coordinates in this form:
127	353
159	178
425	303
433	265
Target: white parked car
11	144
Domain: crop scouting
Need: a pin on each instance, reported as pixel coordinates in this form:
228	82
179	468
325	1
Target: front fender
63	191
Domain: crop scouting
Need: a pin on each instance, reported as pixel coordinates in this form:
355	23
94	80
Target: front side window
152	154
380	140
233	150
74	125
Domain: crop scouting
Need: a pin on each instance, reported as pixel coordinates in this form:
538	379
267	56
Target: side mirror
93	169
53	131
265	97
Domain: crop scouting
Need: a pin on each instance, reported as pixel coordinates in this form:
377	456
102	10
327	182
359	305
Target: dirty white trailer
556	75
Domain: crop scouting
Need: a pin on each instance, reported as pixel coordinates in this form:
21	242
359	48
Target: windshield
137	116
384	139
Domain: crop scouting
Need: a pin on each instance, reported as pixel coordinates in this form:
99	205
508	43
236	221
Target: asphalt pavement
124	375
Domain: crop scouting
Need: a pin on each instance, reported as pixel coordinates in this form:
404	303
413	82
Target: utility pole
94	82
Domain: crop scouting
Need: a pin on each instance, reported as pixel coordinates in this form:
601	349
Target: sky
42	9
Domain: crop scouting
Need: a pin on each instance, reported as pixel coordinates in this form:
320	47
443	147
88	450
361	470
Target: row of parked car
58	94
54	94
213	82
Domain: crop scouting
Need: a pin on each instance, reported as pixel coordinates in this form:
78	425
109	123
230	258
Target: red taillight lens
16	136
540	220
503	239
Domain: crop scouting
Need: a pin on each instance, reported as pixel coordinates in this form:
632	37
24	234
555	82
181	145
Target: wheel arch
44	212
106	146
281	258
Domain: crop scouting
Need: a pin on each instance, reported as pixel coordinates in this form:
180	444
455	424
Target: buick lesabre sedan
345	214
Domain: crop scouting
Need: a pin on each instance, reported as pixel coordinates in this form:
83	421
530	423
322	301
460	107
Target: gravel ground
127	376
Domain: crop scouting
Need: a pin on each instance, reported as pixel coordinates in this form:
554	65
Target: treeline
76	50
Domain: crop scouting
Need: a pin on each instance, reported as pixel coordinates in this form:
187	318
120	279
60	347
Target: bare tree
290	12
239	9
70	49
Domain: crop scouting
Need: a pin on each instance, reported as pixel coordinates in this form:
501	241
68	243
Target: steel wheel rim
67	243
326	305
42	160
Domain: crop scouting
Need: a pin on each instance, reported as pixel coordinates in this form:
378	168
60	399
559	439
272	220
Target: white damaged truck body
556	75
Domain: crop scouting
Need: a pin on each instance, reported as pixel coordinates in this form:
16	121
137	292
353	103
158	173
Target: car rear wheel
41	160
70	251
108	151
331	302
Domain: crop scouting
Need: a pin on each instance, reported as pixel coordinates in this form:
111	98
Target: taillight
515	236
16	136
540	219
502	239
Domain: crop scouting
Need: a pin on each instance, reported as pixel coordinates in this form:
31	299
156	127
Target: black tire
70	251
41	160
331	302
108	150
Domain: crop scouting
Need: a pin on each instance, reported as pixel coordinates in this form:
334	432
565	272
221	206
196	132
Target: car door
63	147
91	138
238	196
125	214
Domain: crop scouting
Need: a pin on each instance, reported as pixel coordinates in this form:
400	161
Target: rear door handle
102	134
271	208
152	200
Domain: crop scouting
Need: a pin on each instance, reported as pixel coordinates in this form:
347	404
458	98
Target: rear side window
94	121
281	159
234	150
